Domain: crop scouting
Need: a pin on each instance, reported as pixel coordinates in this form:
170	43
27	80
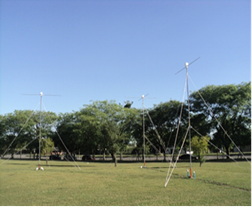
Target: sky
90	50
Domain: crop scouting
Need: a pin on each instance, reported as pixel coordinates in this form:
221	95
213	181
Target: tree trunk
164	156
93	154
227	151
115	159
112	155
200	160
103	154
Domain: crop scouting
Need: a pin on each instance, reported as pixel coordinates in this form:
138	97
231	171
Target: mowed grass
96	184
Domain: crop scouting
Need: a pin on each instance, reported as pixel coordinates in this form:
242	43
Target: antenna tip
41	93
142	96
186	65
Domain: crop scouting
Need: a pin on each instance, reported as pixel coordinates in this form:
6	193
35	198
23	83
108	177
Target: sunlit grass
127	184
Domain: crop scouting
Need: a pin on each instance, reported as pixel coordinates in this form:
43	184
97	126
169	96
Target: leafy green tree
88	130
108	126
47	145
231	106
110	133
200	147
2	134
129	116
165	117
137	133
67	138
17	130
23	127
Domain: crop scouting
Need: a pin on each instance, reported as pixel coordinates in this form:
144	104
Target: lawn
217	184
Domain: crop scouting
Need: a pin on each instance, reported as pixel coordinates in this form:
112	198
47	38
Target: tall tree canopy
24	126
165	118
101	125
231	106
113	123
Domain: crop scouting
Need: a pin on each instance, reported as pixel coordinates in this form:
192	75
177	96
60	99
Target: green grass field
217	184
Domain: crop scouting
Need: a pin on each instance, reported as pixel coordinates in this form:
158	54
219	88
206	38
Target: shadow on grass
70	166
222	184
8	163
167	167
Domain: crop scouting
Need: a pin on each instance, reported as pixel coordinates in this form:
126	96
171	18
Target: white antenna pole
41	94
189	119
40	124
143	132
142	97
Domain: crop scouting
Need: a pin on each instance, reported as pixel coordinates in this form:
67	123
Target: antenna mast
142	97
189	119
143	132
40	124
41	94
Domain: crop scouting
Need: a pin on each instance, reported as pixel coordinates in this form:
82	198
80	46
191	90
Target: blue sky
111	50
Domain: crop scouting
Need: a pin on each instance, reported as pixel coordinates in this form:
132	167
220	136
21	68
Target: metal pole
143	132
189	121
41	94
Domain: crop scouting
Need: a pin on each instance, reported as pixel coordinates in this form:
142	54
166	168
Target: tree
165	117
87	129
231	106
108	126
137	133
18	131
47	145
110	133
2	134
23	127
67	138
200	147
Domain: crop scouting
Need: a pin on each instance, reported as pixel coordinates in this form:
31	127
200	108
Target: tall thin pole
40	125
143	132
189	119
41	94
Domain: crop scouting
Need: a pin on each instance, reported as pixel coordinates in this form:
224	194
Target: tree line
107	127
